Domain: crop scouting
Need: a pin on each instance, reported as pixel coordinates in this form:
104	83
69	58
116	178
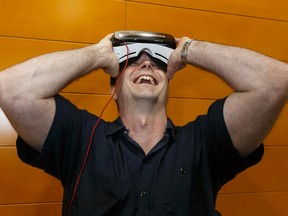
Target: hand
110	62
175	63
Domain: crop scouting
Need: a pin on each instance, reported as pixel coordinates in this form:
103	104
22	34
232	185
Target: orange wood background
30	28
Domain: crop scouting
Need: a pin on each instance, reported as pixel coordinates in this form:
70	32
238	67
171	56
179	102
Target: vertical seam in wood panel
126	14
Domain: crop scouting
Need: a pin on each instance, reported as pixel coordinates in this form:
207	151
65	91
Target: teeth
147	78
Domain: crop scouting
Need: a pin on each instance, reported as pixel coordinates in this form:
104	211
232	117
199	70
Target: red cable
92	133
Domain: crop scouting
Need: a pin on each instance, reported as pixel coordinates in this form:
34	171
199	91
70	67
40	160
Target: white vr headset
158	45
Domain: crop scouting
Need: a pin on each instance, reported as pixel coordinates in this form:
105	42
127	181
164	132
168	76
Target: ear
112	89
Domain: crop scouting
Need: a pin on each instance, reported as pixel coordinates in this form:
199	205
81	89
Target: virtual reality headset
157	45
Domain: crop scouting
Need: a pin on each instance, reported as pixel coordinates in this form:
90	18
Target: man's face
143	80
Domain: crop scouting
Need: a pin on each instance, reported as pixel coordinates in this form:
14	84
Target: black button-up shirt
181	175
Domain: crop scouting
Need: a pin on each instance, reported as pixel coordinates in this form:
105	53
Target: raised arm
260	84
27	89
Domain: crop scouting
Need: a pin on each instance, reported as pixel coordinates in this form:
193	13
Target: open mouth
145	79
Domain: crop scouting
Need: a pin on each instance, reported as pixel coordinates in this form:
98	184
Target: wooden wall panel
271	174
276	10
31	28
183	110
20	183
7	133
94	104
15	50
267	36
274	156
194	83
204	84
33	209
253	204
278	135
30	185
180	111
65	20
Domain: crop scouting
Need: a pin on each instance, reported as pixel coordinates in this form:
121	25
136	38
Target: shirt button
142	194
183	171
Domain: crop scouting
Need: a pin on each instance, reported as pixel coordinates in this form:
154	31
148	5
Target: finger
169	73
109	36
113	72
115	75
168	76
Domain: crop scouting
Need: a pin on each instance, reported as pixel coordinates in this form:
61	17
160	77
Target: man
142	164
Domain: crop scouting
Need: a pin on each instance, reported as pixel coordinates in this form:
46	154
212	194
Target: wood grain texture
271	174
81	21
276	10
262	35
32	209
180	110
20	183
15	50
30	28
7	132
188	83
254	204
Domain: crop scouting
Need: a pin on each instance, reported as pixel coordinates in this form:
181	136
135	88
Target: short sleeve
63	143
226	162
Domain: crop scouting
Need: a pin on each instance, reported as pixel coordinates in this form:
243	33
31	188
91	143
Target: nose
146	64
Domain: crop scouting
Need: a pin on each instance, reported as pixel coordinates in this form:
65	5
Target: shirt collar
170	129
115	126
118	125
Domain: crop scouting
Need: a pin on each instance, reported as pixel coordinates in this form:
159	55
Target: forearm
44	76
27	89
244	70
260	86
